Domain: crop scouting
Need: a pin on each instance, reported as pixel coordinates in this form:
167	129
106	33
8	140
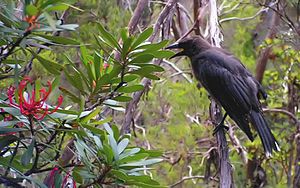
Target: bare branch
191	178
282	111
245	18
172	65
137	14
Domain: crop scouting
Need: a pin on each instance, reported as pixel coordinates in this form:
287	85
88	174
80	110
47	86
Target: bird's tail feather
268	140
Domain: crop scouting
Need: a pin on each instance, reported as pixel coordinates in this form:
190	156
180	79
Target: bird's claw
219	127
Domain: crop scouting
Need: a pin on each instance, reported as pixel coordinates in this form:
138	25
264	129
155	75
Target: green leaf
131	89
122	145
153	47
97	64
145	58
93	129
58	180
85	79
143	162
59	39
124	34
114	146
108	129
126	78
26	157
119	174
75	80
163	54
4	130
123	99
50	21
142	37
147	70
135	157
72	96
126	47
31	10
108	37
143	179
70	27
55	82
129	152
77	177
59	7
108	152
91	115
151	76
12	61
52	67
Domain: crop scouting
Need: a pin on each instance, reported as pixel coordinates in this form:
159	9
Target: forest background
124	113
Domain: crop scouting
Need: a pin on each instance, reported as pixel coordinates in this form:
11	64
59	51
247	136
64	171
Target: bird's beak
175	46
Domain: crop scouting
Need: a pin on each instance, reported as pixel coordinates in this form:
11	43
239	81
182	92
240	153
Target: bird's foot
219	127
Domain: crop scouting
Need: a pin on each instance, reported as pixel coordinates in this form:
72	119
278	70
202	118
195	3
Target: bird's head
190	46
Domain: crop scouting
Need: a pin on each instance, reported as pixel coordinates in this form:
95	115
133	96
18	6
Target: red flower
32	105
32	21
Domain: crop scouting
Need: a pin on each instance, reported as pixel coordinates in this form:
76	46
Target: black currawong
231	85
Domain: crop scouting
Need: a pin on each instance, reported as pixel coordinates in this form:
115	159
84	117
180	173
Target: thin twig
178	70
282	111
191	178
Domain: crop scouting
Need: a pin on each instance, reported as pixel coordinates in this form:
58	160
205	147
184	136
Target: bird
231	85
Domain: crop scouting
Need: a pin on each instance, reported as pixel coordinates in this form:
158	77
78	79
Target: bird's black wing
229	86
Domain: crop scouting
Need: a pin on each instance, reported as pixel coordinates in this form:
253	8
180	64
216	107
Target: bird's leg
221	125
